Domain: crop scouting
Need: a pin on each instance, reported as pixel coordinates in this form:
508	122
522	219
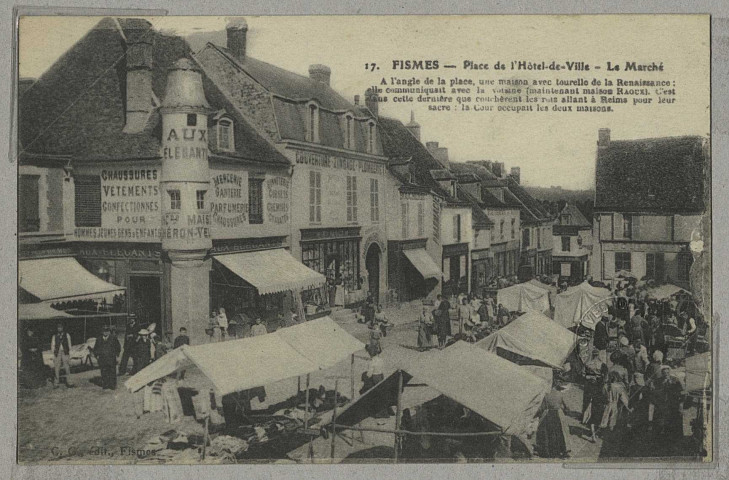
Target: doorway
372	264
145	300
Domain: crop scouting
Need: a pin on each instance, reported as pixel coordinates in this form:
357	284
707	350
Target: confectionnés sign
327	161
129	203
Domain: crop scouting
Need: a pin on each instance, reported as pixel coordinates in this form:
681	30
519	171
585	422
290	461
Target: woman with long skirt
552	432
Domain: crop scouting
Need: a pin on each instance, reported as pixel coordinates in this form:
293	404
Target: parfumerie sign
353	165
130	206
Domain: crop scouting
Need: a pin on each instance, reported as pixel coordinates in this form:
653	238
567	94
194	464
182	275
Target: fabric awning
272	271
39	311
533	336
257	361
524	297
54	280
423	263
665	291
497	389
581	304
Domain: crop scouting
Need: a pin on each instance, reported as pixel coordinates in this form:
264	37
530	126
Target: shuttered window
87	195
255	200
28	203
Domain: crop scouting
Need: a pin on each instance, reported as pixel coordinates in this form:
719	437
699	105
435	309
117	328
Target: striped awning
423	263
54	280
272	271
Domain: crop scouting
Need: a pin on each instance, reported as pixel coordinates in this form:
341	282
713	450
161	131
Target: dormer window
453	188
225	138
312	123
349	142
371	136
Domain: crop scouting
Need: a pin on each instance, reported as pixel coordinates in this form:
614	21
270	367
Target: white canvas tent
582	303
533	336
664	291
256	361
500	391
524	297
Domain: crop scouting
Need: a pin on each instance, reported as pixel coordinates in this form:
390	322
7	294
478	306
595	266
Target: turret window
175	199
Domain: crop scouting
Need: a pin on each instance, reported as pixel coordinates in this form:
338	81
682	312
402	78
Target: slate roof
398	142
479	217
78	106
488	179
661	175
576	218
286	103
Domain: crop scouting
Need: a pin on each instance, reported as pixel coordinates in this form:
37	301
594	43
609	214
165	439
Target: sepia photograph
364	239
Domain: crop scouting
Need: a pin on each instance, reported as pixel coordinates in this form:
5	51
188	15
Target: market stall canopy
272	271
500	391
523	297
256	361
582	303
39	311
550	288
423	263
54	280
533	336
664	291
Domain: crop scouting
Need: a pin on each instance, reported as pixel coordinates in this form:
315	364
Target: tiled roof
651	175
576	218
441	174
399	142
480	219
78	106
284	107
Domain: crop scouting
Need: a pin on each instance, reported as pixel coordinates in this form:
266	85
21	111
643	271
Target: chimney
603	138
139	92
413	126
516	174
498	169
439	153
356	100
237	29
371	102
320	73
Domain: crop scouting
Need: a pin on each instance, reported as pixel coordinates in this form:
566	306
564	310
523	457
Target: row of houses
213	179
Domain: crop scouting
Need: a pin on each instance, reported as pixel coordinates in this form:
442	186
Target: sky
552	148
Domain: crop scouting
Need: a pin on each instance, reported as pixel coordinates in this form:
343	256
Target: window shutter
660	267
28	203
618	226
636	227
88	200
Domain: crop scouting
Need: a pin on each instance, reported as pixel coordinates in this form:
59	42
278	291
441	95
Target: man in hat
106	349
61	348
601	338
142	351
130	342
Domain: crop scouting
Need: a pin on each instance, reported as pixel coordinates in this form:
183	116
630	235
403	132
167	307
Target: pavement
80	424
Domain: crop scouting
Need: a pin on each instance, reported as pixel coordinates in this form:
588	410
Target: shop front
412	271
571	269
481	270
455	269
258	277
335	254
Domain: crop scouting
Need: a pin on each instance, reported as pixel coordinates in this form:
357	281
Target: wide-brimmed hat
144	331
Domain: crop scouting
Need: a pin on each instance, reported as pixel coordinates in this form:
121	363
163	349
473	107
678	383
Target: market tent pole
398	412
306	418
205	437
334	418
351	390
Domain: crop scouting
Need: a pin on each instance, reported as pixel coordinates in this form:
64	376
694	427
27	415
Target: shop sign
229	204
277	207
130	206
341	163
119	252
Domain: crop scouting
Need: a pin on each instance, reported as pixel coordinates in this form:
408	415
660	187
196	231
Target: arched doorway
372	264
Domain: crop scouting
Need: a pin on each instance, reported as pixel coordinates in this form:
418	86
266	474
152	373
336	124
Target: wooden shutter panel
88	200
